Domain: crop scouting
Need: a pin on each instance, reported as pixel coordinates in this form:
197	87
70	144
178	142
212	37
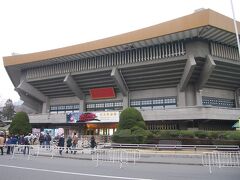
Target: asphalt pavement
150	164
43	167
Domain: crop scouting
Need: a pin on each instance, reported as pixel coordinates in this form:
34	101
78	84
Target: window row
156	103
109	60
103	106
220	102
65	108
162	126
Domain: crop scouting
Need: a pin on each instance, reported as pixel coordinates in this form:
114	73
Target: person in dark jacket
41	139
27	140
69	144
14	142
47	140
8	143
61	144
93	143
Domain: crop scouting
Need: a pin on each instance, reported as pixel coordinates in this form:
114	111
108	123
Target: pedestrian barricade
32	150
115	156
221	159
42	150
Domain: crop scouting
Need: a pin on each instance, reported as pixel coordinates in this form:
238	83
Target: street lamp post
235	26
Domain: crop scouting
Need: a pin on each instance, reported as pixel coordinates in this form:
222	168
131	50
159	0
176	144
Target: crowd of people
43	139
9	141
72	143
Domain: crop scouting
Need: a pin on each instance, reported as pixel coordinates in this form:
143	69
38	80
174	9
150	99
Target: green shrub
213	134
163	134
130	117
126	124
131	127
232	135
205	137
124	132
201	134
174	134
186	134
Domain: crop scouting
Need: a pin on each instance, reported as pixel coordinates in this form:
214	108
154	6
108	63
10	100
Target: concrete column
199	97
82	106
70	82
181	99
30	102
30	90
190	95
206	72
126	101
46	106
119	81
188	70
237	98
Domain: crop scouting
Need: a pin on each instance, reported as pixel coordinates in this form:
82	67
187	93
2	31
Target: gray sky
36	25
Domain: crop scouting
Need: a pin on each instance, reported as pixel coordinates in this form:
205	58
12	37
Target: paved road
44	168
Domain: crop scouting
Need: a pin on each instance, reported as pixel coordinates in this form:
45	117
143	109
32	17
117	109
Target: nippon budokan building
181	74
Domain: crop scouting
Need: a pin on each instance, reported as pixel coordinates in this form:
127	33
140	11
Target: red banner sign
102	93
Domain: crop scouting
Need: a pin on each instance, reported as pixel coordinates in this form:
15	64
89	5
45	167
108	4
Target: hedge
220	135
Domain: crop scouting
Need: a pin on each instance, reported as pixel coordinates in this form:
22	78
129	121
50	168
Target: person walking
93	143
69	144
48	140
61	144
8	143
41	139
14	142
75	142
27	140
1	143
21	142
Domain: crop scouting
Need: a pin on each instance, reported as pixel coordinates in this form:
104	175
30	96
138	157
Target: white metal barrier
32	150
46	150
221	159
115	156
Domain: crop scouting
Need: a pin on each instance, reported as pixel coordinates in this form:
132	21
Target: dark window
219	102
64	108
154	103
103	106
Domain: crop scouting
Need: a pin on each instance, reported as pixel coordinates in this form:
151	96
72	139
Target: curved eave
199	19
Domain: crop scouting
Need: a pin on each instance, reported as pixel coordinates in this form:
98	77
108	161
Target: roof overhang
206	24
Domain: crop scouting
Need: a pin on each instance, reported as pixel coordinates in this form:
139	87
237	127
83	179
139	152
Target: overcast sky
36	25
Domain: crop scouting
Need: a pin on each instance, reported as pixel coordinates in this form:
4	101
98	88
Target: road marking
71	173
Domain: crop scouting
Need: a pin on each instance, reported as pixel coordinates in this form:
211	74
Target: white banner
107	116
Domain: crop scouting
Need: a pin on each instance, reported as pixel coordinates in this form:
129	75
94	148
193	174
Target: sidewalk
150	156
180	157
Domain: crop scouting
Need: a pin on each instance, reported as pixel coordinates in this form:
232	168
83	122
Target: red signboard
102	93
87	117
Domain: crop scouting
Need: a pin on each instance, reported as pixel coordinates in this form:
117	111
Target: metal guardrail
115	156
36	150
174	147
221	159
122	156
